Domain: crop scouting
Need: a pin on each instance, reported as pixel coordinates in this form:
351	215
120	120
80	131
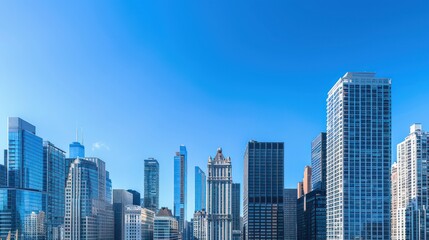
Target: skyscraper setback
263	190
359	157
180	187
151	184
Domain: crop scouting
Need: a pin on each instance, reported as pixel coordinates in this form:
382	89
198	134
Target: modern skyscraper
76	150
235	208
133	223
200	189
318	162
200	225
180	187
54	187
412	218
306	181
136	197
151	184
359	157
394	204
21	208
166	226
88	212
290	197
311	216
263	190
219	196
148	220
121	199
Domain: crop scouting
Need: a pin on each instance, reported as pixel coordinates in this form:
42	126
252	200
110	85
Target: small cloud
100	146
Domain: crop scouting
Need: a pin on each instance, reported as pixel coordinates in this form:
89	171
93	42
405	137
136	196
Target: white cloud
100	146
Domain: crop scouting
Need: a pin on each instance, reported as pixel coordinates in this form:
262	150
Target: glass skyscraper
180	186
21	203
318	162
359	157
263	190
200	189
290	197
76	150
151	184
235	209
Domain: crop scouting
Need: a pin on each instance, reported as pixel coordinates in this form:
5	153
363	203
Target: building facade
290	199
166	226
411	188
394	204
148	221
200	225
151	184
180	187
200	189
263	190
121	199
76	150
236	208
311	216
359	157
219	197
133	222
318	162
136	197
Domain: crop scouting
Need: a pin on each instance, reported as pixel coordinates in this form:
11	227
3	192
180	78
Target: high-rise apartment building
263	190
318	162
236	209
151	184
166	226
180	187
200	189
219	204
394	203
290	197
411	186
200	225
359	157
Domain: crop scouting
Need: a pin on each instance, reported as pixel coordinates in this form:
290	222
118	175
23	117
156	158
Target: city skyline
194	73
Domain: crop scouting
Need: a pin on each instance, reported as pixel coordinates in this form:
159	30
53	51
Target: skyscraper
263	190
121	199
318	162
219	186
151	184
53	186
306	181
200	189
200	225
132	223
166	226
394	203
76	150
412	218
148	220
180	187
136	197
359	157
21	207
290	196
235	208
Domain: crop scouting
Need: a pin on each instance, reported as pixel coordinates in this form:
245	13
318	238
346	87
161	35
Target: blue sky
142	77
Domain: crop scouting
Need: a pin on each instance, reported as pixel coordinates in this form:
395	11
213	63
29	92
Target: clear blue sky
143	77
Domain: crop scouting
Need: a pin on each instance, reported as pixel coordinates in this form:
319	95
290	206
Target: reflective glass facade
200	189
290	197
318	162
180	186
151	184
263	190
76	150
359	157
236	209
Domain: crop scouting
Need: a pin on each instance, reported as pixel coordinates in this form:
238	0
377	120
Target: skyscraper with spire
180	187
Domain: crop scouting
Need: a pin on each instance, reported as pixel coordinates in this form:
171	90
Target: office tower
133	223
189	226
289	201
300	189
394	204
151	184
235	209
76	150
311	216
109	189
54	185
136	197
263	190
219	186
3	170
121	199
318	162
21	208
358	157
148	221
166	226
412	219
306	181
200	189
180	187
88	212
200	225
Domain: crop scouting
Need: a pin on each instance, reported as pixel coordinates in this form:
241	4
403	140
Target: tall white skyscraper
411	217
394	203
359	157
219	186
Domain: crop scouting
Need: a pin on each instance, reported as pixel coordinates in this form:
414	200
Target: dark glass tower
290	196
151	184
136	197
318	161
263	190
236	207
